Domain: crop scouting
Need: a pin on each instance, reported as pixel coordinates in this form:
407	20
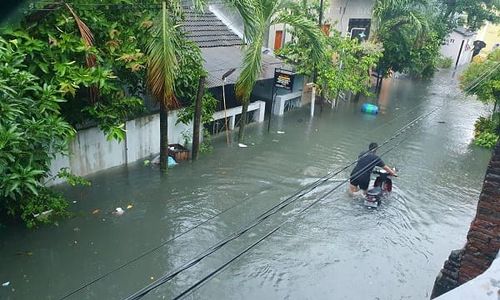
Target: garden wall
91	152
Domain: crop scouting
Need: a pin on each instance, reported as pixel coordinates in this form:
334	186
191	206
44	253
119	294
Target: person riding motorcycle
360	175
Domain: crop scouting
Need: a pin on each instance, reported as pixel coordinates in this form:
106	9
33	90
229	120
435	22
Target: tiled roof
208	31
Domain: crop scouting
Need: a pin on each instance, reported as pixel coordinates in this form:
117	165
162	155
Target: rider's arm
391	171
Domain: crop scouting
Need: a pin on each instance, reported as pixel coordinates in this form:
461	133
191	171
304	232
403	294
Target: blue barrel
369	108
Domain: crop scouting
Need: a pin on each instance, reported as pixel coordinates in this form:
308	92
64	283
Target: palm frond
251	67
250	14
88	40
162	62
309	29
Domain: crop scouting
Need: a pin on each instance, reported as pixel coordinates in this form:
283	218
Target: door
278	39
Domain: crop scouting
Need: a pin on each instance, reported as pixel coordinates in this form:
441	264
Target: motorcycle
381	188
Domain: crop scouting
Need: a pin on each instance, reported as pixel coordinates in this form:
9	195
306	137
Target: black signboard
283	79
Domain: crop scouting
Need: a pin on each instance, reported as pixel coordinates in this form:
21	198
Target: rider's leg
353	188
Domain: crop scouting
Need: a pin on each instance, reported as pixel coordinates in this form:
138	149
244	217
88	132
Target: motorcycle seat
374	191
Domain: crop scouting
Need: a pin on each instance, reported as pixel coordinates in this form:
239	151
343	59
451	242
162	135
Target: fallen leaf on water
96	211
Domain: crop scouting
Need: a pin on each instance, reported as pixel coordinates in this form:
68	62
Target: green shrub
486	140
444	62
485	131
32	132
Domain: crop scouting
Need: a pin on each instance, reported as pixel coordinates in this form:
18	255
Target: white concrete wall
452	48
341	11
90	152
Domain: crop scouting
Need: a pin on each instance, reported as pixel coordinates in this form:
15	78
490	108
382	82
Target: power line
273	210
297	194
219	269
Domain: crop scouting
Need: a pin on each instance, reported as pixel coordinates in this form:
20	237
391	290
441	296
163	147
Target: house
459	46
351	17
490	34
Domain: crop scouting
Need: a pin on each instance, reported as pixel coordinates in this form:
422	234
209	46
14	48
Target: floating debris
242	145
43	214
276	141
280	132
118	211
96	211
129	206
147	162
6	283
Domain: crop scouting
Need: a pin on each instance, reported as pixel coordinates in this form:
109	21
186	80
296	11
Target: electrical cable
273	210
297	194
200	282
481	78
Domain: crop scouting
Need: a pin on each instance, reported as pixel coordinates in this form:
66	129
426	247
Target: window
359	28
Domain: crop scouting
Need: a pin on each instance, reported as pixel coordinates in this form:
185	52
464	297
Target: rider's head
373	147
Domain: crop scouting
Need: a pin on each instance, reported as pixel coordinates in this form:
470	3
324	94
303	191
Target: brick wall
483	239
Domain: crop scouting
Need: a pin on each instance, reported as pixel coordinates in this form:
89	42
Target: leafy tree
476	12
406	30
344	65
482	79
412	31
92	55
32	132
257	16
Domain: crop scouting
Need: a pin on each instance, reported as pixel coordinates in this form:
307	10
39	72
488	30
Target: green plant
208	107
72	179
206	145
257	16
444	62
32	132
486	140
482	78
43	208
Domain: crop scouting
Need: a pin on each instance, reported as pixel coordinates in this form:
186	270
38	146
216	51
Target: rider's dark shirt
366	162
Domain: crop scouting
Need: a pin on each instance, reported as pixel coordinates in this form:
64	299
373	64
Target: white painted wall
452	48
90	152
341	11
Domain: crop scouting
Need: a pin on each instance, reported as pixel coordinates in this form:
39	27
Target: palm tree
161	69
162	66
257	16
400	25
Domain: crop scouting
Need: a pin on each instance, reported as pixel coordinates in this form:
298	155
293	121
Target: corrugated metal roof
218	61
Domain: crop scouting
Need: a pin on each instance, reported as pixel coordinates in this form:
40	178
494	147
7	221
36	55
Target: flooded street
336	249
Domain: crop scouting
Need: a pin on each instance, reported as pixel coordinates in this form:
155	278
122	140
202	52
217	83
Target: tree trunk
163	136
243	121
197	118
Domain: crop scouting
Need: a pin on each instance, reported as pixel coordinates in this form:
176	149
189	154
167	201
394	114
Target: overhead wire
273	210
281	204
297	194
203	280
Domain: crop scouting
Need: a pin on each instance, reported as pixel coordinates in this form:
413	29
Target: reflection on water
335	250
